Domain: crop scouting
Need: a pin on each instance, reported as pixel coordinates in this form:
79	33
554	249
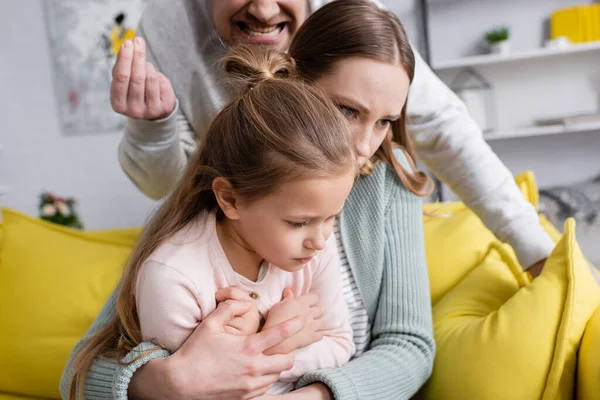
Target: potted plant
498	40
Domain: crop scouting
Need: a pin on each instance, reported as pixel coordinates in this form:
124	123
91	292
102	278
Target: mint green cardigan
382	232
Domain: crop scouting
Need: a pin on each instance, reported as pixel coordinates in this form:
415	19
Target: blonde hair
279	129
358	28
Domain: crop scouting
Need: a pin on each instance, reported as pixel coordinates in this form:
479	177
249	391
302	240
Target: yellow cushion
500	336
8	396
53	282
127	236
588	365
456	239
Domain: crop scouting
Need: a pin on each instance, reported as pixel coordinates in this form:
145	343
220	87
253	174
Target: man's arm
449	142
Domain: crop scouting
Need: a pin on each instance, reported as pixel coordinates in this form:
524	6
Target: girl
254	208
361	56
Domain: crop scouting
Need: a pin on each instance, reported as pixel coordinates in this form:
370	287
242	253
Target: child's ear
226	197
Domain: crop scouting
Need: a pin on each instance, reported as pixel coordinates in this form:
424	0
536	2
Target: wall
36	156
526	90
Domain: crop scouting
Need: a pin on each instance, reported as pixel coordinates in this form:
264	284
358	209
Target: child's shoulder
186	248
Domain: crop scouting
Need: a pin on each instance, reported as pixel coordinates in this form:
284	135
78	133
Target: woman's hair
359	28
280	129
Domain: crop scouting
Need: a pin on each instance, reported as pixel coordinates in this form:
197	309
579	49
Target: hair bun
250	65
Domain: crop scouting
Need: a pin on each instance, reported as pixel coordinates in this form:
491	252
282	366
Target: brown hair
359	28
280	129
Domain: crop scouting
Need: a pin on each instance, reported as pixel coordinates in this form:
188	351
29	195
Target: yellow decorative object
579	24
596	20
53	283
501	336
588	365
118	34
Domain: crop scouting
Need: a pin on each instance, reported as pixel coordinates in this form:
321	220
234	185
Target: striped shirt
359	320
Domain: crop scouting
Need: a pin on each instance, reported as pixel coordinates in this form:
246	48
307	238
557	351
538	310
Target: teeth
254	30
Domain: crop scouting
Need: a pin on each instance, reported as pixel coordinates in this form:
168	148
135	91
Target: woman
380	235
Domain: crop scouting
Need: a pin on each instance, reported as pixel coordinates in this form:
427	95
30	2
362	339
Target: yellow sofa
53	281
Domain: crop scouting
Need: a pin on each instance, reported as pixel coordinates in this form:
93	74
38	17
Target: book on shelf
570	120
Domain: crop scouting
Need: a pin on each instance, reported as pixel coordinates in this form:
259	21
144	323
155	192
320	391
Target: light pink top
176	290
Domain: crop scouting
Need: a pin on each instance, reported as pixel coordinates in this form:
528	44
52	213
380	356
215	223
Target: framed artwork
84	39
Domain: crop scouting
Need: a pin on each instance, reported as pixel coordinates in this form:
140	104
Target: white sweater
447	140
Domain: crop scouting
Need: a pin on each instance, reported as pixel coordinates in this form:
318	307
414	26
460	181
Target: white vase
502	48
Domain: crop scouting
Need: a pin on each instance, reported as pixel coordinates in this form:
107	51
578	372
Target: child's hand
246	324
306	306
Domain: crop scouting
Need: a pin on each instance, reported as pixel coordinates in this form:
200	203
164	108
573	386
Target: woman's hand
315	391
214	364
137	90
307	307
246	324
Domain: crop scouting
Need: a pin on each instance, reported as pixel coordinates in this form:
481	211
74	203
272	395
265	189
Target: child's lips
304	260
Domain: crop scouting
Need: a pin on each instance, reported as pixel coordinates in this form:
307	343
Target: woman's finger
273	335
316	312
224	313
262	384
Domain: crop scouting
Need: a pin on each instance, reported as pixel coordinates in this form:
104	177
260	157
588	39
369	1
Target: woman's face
371	94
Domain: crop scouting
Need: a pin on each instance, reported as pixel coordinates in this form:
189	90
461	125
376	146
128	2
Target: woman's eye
384	123
348	112
297	224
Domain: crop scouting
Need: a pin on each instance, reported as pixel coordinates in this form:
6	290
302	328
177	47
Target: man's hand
137	90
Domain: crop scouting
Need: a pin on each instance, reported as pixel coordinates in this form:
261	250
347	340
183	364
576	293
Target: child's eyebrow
305	217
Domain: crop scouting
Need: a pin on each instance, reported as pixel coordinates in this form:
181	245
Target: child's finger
288	294
224	313
232	293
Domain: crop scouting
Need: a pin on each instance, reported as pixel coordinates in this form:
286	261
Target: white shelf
487	59
3	190
542	130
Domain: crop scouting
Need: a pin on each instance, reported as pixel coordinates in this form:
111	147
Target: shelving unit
488	59
542	130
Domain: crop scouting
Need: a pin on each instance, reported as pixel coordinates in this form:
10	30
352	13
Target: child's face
371	94
269	22
290	226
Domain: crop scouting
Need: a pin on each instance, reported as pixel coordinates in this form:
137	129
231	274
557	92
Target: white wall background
526	90
36	156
